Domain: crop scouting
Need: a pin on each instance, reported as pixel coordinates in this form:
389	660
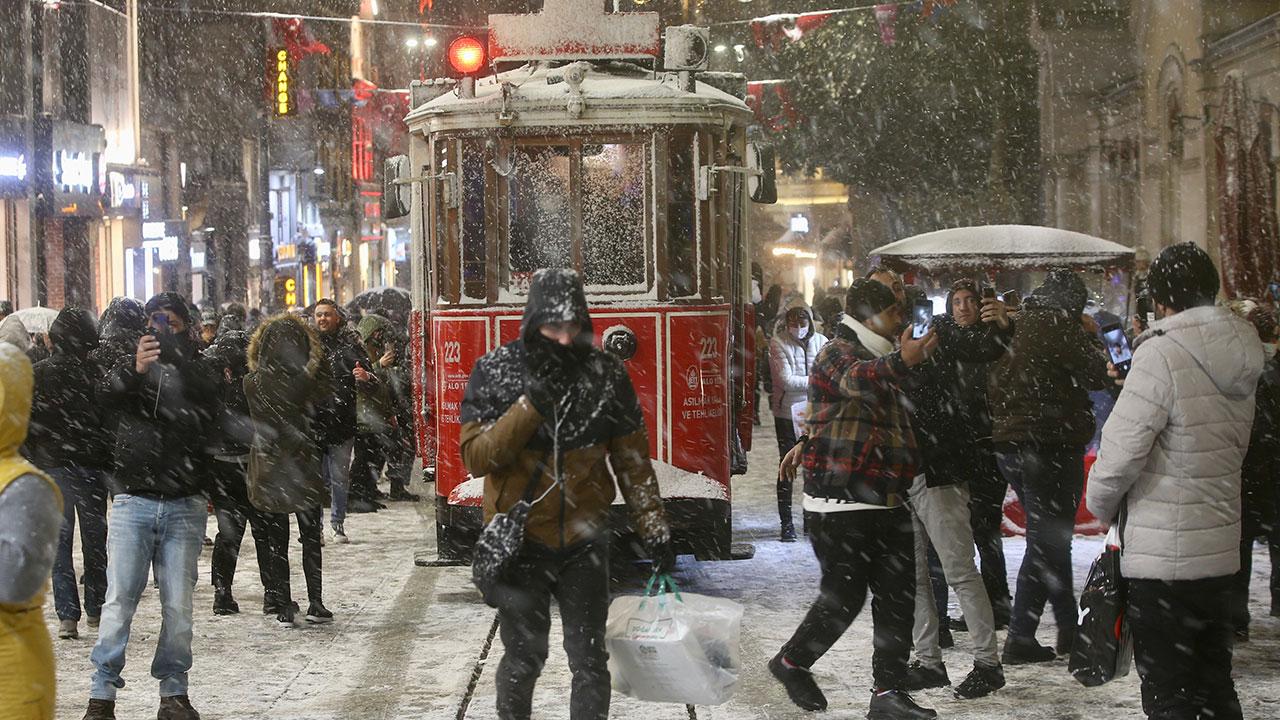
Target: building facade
1131	114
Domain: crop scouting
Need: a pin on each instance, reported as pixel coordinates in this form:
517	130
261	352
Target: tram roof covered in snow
985	247
611	93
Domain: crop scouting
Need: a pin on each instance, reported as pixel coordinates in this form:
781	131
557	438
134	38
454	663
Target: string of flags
773	31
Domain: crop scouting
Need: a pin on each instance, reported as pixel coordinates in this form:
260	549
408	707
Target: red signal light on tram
466	55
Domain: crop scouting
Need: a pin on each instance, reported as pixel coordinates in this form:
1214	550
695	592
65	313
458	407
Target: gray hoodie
1173	446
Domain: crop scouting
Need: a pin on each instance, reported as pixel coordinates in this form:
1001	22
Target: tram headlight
621	342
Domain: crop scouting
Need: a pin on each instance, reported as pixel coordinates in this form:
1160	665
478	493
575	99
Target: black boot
1018	651
798	681
897	705
784	514
1066	640
223	603
177	707
101	710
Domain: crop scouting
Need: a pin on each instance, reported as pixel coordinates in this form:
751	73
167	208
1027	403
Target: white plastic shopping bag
674	647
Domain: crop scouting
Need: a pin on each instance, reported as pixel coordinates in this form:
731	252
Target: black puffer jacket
66	422
948	398
165	415
232	431
1260	473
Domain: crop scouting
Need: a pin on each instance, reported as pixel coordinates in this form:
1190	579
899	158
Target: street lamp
411	42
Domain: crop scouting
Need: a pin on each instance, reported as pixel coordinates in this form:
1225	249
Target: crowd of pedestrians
908	444
154	416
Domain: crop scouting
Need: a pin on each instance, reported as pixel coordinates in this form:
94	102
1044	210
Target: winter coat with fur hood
1174	445
288	379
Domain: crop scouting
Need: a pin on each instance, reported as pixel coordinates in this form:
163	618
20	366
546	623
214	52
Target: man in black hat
168	399
1042	418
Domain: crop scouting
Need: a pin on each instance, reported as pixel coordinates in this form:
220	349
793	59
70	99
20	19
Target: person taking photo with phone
1042	418
169	398
1168	473
947	394
860	455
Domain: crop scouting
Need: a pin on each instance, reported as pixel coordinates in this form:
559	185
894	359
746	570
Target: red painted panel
459	342
699	402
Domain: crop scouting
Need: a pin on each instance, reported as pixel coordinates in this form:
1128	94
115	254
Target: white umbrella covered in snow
37	319
1003	247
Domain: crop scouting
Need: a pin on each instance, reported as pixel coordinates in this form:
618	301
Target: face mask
798	333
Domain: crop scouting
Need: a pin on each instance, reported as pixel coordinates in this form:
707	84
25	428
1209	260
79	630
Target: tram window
682	217
473	219
613	214
541	232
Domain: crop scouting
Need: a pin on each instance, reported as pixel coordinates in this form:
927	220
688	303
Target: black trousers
1182	642
310	534
1049	481
856	550
578	578
366	466
234	512
986	515
786	431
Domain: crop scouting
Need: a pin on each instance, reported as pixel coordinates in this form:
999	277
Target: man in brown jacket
549	415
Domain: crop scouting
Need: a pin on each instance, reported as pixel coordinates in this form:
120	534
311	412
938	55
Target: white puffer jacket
789	363
1172	448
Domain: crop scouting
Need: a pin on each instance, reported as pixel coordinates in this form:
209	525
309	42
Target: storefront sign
281	83
13	167
122	189
74	165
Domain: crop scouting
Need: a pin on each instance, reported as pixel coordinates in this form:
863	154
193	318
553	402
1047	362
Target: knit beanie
1182	276
867	298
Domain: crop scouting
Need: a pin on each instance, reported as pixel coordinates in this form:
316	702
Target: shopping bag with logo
668	646
1103	648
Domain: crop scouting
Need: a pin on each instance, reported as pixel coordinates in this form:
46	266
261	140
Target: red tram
587	147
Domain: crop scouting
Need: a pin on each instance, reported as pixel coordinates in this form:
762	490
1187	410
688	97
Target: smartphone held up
921	318
1118	347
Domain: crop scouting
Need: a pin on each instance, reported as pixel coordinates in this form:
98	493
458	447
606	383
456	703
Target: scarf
874	342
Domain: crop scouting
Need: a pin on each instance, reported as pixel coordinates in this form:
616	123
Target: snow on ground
406	639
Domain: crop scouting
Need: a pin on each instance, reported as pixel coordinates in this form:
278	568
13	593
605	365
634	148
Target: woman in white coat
795	345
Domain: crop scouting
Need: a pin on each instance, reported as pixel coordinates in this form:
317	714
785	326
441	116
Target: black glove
664	558
547	381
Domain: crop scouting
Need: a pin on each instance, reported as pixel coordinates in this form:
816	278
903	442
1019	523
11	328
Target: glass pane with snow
613	215
540	211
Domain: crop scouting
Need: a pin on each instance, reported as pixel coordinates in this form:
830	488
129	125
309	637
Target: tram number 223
709	349
452	353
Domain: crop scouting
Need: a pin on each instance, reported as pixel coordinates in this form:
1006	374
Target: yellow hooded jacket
26	653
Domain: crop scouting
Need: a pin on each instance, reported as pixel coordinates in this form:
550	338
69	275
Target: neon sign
73	171
281	94
12	166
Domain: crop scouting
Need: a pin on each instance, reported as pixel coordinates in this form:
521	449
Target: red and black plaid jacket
861	447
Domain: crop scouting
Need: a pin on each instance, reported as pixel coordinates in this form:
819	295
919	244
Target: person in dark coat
949	423
551	392
168	401
1260	473
288	381
67	440
1042	419
227	448
335	422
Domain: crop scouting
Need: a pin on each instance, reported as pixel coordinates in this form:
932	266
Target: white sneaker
339	536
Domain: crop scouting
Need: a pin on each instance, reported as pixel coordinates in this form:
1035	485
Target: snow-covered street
407	640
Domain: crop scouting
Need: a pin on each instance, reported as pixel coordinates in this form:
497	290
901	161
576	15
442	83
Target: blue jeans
1048	481
335	464
146	533
84	493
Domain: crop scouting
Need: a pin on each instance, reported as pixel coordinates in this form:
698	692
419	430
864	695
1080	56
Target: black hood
124	317
73	332
1062	290
555	296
